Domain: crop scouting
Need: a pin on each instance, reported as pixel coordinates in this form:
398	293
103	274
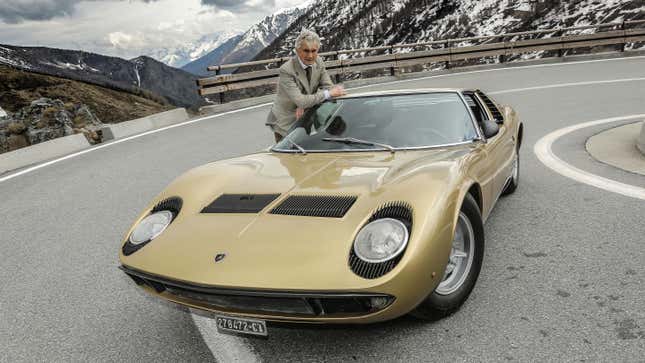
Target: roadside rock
46	119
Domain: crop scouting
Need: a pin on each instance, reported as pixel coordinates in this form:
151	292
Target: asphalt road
563	276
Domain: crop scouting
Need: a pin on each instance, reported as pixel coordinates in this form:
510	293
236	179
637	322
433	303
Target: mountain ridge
134	76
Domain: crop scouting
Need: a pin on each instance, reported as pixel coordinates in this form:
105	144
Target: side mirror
490	128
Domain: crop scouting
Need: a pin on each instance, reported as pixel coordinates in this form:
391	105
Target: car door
483	166
500	147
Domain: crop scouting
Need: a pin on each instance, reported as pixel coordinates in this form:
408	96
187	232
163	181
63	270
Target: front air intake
315	206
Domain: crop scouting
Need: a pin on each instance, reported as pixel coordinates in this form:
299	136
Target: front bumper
293	306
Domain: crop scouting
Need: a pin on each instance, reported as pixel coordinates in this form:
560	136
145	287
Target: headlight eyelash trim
397	210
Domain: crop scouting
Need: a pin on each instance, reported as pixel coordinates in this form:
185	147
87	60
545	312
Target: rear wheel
462	270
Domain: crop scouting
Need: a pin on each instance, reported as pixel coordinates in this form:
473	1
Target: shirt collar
303	65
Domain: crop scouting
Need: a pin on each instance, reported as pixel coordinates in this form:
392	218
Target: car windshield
383	123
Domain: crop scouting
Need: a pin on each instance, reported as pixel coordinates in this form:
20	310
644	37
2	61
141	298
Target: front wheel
462	270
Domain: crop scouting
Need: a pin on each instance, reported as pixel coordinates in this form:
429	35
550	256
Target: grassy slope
18	88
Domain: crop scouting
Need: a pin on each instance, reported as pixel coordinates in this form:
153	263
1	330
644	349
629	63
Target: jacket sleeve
290	87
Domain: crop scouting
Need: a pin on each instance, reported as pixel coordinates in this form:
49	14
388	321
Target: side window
476	108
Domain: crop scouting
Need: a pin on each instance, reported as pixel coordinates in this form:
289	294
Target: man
299	83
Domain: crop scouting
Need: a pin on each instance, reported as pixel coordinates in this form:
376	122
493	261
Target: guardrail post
447	45
336	76
390	51
221	94
622	45
502	57
561	50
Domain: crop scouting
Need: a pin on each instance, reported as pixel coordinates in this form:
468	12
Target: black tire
437	306
514	181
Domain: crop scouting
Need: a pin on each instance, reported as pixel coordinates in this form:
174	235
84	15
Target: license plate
229	324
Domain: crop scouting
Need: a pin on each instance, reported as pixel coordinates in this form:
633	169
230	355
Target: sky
127	28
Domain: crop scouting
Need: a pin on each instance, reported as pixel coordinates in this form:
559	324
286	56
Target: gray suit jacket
295	92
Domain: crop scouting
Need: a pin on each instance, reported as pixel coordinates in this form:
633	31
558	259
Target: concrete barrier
137	126
640	142
40	152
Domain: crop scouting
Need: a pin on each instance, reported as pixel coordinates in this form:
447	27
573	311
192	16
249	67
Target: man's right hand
337	91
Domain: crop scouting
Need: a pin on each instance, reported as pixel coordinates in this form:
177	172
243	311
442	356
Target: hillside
351	24
134	76
19	88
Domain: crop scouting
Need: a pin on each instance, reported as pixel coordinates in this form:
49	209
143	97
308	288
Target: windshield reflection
399	121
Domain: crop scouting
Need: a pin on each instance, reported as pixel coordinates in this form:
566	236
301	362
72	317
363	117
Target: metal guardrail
448	51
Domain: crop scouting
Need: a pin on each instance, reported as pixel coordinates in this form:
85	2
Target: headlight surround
151	227
381	240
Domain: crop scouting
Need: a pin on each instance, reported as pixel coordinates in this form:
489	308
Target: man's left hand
299	112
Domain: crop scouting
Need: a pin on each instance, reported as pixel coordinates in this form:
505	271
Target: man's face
308	53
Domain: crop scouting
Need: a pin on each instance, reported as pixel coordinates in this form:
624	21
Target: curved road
563	276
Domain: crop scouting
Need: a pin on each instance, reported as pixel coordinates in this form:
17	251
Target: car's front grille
315	206
279	303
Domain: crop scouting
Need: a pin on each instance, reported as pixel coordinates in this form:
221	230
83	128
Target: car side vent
240	203
315	206
492	107
397	210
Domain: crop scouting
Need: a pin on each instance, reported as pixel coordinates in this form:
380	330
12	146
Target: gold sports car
372	207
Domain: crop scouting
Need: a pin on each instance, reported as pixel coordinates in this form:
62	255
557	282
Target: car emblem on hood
219	257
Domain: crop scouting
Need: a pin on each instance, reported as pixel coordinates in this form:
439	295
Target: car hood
272	251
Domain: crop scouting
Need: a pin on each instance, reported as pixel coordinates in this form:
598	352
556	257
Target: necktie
308	70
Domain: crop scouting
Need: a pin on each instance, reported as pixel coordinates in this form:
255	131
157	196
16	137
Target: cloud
17	11
241	6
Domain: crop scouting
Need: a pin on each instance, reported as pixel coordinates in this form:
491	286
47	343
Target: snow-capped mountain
244	48
139	75
351	24
191	51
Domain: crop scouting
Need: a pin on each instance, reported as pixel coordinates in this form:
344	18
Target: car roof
402	92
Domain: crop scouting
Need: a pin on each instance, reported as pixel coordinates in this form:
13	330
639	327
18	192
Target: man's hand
299	112
337	91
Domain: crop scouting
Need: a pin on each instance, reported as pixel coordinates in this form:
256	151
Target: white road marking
543	151
514	90
225	348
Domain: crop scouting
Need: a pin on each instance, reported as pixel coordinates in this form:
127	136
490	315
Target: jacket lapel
302	76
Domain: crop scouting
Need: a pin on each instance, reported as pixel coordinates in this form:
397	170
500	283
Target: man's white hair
308	36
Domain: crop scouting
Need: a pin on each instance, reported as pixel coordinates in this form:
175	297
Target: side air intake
315	206
492	107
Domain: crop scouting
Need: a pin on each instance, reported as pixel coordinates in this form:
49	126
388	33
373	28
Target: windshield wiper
351	140
296	145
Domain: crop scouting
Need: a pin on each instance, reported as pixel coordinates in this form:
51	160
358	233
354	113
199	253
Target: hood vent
240	203
315	206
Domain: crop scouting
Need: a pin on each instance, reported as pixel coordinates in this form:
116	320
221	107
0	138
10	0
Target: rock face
46	119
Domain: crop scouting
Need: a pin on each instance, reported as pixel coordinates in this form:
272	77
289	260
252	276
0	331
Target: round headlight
150	227
381	240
